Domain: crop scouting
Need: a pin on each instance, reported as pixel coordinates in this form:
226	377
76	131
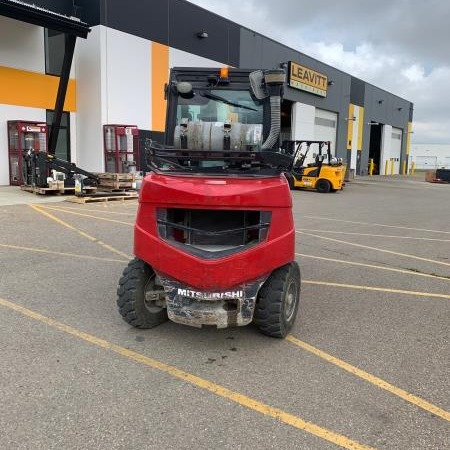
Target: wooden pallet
438	180
106	198
116	176
107	184
51	191
112	189
430	176
116	181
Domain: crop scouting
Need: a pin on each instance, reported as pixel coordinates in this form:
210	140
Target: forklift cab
217	113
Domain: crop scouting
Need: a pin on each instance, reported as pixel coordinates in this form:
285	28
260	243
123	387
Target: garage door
396	148
325	125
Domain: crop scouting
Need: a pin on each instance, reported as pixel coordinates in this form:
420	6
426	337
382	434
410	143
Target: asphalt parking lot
366	365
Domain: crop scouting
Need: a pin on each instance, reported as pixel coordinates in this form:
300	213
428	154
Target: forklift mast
299	157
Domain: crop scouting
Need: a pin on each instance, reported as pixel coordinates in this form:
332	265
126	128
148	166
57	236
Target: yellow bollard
371	166
413	168
404	168
392	166
386	166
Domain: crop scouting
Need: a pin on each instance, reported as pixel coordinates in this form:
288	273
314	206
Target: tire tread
130	297
269	308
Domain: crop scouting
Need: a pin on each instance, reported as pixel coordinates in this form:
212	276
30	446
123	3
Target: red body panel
262	194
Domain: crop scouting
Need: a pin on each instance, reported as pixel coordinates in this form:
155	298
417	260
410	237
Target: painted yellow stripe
373	266
360	127
382	384
87	215
187	377
81	233
36	90
64	224
373	235
350	123
408	138
377	289
102	211
405	255
160	75
376	224
70	255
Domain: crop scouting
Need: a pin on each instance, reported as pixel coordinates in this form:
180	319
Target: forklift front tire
323	186
137	278
278	301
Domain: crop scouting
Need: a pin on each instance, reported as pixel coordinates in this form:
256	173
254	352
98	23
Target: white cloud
414	73
387	45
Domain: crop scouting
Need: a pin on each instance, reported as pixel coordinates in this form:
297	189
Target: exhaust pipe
274	81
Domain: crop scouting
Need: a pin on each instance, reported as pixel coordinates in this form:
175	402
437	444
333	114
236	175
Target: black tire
323	186
131	296
278	300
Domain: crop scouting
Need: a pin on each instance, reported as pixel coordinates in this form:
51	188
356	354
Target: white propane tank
210	135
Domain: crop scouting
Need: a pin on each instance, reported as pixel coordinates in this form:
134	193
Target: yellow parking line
378	289
81	233
411	398
374	235
129	203
61	222
88	215
406	255
71	255
221	391
376	224
373	266
95	210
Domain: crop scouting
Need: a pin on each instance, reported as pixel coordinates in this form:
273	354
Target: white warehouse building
430	156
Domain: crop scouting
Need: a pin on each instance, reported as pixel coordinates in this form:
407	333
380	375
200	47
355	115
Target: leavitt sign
301	77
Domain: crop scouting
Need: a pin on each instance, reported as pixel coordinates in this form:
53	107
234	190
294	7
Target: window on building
54	52
325	122
63	145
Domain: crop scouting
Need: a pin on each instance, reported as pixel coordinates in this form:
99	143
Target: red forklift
214	235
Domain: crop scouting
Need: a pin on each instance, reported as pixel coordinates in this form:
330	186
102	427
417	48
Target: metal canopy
25	12
72	28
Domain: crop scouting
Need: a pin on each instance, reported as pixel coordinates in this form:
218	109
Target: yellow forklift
325	174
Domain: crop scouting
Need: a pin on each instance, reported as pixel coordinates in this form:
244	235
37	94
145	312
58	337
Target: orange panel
160	74
36	90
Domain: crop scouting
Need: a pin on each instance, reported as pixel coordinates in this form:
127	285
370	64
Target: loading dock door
309	123
396	148
375	147
325	126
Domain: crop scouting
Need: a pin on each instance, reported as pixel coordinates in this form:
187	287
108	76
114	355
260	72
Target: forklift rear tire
323	186
278	301
136	279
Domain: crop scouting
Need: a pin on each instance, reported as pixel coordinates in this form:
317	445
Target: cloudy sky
402	46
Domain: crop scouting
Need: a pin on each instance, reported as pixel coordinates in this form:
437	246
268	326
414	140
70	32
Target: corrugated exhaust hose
274	81
275	123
